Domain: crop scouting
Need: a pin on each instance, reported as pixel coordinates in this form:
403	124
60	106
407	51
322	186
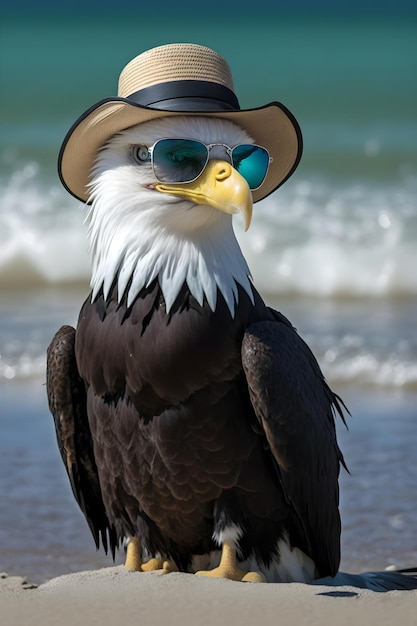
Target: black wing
67	403
296	410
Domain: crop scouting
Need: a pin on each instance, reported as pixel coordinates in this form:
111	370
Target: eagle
195	425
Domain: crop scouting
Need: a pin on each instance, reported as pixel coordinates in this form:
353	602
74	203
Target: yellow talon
134	562
154	565
253	577
228	568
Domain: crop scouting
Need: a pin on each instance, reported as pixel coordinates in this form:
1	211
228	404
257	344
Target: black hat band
186	95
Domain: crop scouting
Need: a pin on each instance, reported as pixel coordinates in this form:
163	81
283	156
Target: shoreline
113	595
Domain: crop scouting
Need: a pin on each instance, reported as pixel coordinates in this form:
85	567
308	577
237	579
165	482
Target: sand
114	596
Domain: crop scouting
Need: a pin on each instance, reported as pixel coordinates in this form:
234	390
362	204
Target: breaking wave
325	243
312	238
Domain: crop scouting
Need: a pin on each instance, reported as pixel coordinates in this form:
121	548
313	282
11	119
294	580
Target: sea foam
313	237
42	239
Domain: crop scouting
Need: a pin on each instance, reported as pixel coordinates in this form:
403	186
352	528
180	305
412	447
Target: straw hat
177	79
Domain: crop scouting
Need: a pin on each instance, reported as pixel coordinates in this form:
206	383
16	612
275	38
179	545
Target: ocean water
334	249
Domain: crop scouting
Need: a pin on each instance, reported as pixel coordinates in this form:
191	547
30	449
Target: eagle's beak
220	186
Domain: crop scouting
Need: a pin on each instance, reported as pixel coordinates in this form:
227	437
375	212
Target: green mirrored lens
252	163
178	160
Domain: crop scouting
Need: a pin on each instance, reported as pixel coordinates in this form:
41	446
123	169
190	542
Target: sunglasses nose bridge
219	151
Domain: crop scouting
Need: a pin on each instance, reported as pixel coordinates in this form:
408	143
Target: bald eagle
194	423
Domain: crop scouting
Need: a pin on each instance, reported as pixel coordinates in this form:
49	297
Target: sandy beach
115	596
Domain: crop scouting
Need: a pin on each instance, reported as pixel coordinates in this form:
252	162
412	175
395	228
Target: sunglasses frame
208	147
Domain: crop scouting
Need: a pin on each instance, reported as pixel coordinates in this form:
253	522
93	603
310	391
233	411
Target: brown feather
67	403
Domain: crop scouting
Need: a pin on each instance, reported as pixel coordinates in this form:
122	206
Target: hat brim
271	126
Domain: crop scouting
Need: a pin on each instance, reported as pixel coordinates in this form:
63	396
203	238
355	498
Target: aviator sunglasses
183	160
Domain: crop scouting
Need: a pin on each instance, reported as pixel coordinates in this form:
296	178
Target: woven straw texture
183	61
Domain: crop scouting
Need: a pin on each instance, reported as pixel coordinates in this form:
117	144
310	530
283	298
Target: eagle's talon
253	577
152	565
169	566
236	574
134	562
229	569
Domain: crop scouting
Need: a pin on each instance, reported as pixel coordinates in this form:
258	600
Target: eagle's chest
168	405
158	358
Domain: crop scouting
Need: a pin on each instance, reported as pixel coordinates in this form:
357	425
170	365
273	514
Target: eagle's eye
141	154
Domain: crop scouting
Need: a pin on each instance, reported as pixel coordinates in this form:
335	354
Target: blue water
334	248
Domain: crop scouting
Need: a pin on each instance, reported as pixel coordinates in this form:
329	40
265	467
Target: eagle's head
142	228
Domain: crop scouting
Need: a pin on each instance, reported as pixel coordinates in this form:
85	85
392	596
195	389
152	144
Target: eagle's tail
376	581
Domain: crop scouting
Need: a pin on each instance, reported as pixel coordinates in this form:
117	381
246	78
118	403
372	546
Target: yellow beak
220	186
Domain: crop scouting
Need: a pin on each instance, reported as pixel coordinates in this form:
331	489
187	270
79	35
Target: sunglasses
183	160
